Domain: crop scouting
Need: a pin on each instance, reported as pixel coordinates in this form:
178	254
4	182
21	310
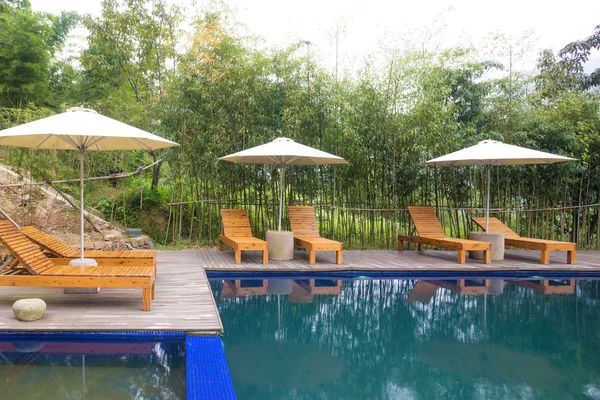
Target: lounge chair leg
265	256
338	256
152	291
462	256
400	245
312	257
146	298
571	257
487	256
13	263
220	246
238	256
420	246
545	257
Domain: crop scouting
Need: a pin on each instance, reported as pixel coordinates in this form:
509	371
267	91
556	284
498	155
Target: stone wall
114	240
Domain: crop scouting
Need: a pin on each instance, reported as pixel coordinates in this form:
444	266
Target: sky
365	26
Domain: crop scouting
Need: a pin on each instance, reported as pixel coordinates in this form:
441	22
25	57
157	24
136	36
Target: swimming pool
113	365
319	337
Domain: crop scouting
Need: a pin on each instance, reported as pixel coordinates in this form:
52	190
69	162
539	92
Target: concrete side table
497	241
281	245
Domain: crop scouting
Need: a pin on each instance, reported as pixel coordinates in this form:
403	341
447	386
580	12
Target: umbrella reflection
283	364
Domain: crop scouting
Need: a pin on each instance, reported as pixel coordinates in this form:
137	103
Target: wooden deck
183	302
391	260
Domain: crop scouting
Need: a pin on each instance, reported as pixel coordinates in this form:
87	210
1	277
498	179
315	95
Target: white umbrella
283	152
493	153
81	129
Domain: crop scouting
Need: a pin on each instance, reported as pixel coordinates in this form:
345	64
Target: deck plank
183	302
391	260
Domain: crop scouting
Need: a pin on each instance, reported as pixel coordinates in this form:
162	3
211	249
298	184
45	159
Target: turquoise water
409	339
49	370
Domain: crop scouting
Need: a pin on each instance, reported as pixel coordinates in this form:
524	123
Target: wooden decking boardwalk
392	260
183	302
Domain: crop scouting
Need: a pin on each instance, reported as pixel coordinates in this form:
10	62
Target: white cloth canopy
491	153
283	152
81	129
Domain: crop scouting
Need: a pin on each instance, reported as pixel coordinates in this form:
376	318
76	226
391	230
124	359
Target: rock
133	232
89	246
108	246
113	235
29	309
136	242
98	245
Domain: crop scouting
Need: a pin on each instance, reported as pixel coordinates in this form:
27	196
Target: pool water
114	369
411	339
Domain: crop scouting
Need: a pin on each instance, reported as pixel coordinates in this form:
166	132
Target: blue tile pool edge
207	373
521	274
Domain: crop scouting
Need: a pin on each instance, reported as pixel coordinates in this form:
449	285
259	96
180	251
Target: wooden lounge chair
511	238
431	233
306	233
35	269
237	234
63	250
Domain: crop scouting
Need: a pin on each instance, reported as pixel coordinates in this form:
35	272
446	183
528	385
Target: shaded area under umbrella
491	153
283	152
84	130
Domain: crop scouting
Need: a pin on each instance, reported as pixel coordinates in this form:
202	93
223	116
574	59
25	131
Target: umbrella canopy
491	153
81	129
283	152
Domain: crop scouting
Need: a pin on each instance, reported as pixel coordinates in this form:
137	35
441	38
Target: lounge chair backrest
26	252
47	242
303	220
495	225
236	223
426	221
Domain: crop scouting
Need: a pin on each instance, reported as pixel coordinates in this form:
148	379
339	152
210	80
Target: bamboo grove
223	92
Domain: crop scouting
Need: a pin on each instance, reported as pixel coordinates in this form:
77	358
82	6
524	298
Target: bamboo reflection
386	333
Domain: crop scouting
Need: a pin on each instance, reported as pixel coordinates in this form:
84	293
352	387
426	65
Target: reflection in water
92	370
395	339
487	360
549	286
283	364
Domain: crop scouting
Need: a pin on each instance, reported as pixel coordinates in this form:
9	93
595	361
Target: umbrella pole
81	155
281	195
487	208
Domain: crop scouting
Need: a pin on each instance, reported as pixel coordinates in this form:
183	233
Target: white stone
29	309
497	241
281	245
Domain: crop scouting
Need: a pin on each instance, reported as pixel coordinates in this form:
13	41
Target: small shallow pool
324	338
67	366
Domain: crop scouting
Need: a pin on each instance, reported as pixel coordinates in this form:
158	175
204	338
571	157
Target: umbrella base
497	241
83	262
281	245
86	262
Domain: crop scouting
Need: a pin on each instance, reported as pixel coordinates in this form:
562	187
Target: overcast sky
367	25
